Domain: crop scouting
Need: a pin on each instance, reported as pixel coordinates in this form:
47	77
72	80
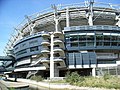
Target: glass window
82	38
99	37
21	52
71	58
114	43
33	42
34	49
106	38
78	59
74	44
90	38
90	43
82	43
114	38
85	57
99	43
106	43
73	38
99	40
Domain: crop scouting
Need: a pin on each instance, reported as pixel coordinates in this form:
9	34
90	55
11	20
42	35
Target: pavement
2	86
10	84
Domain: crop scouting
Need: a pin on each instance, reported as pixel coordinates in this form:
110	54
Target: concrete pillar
90	13
51	58
56	23
56	74
32	29
93	72
67	18
90	20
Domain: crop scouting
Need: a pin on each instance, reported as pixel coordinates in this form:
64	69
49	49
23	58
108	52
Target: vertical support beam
56	17
19	33
29	24
32	29
56	23
90	18
93	72
51	58
67	18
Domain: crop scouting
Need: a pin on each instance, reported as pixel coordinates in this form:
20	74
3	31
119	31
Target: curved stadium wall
75	37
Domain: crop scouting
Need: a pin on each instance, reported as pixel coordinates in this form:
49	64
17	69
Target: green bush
73	77
106	76
107	81
36	78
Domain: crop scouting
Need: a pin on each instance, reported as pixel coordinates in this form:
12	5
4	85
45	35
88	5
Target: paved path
2	87
11	84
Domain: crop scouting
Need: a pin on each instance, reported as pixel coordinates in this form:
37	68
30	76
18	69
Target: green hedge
107	81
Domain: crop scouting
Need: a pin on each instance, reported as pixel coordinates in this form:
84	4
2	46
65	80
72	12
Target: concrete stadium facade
79	37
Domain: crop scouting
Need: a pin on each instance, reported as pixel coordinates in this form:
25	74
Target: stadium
82	37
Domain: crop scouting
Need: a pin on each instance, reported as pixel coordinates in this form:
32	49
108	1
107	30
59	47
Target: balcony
58	59
58	33
58	49
45	60
45	42
45	34
45	50
58	41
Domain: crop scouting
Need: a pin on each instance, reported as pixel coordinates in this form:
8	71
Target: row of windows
92	40
106	61
93	44
32	49
24	44
80	38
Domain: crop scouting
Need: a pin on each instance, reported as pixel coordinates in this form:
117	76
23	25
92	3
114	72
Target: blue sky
12	12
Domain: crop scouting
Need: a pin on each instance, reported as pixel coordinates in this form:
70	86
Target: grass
107	81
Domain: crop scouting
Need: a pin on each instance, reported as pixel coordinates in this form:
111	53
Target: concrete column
51	58
32	30
56	71
93	72
56	23
67	18
90	13
90	20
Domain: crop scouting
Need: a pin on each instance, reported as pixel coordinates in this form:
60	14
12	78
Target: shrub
106	76
36	78
73	77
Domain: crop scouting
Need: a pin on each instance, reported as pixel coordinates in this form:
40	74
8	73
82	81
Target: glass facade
77	58
92	39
